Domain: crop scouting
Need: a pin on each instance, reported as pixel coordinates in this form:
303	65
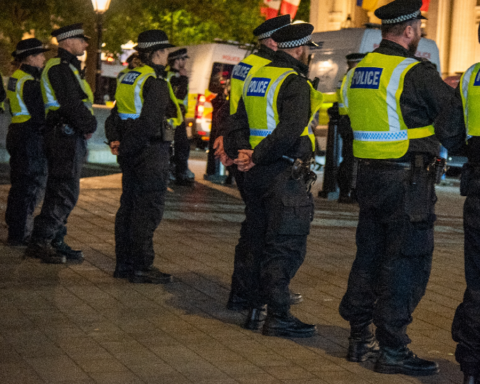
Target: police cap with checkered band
28	47
294	35
70	32
152	40
400	11
267	28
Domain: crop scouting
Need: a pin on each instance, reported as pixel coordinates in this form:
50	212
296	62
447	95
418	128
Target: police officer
28	164
275	144
177	76
242	271
345	169
466	323
132	62
3	94
69	123
393	99
139	134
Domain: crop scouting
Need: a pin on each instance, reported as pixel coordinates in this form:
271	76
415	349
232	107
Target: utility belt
420	175
470	180
301	171
164	133
59	125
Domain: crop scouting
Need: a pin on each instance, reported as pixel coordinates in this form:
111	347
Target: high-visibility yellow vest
122	73
341	106
470	91
48	94
246	67
260	96
129	95
371	95
2	102
170	74
15	85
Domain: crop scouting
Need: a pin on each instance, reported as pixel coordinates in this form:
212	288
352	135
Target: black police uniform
395	230
242	268
466	323
65	151
278	208
28	164
181	144
3	93
144	160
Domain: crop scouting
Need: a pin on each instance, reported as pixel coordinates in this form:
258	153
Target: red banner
289	7
271	9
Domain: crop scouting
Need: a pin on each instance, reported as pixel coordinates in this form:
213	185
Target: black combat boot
150	275
237	302
256	318
73	256
45	252
403	360
362	343
287	325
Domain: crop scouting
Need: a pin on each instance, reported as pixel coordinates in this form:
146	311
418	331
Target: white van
208	65
328	61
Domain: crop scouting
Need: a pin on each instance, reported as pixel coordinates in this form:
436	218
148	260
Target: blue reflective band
125	116
240	71
260	132
258	86
365	77
380	136
130	77
477	80
52	104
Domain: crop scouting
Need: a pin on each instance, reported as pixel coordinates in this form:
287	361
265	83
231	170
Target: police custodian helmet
400	11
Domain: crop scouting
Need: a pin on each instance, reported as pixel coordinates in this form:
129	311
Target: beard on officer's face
304	55
413	45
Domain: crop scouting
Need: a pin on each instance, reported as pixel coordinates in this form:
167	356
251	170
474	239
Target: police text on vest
258	86
366	77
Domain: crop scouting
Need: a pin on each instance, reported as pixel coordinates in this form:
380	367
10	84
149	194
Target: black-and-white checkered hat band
151	44
295	43
72	33
401	19
269	33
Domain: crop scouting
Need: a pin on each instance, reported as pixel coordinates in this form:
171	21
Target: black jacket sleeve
237	135
113	126
180	88
70	95
156	100
32	96
293	105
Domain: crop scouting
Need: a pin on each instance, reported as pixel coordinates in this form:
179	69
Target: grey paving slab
76	324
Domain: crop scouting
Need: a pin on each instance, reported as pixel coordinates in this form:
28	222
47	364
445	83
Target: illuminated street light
100	7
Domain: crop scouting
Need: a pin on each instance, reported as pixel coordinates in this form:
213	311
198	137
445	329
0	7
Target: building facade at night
452	24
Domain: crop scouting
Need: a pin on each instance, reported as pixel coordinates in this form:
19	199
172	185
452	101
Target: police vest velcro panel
247	67
371	95
470	91
129	93
170	74
15	85
260	96
49	98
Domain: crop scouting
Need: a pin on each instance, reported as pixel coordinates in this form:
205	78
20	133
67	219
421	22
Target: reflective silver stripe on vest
271	123
125	116
51	102
465	82
392	88
380	136
138	88
345	88
23	107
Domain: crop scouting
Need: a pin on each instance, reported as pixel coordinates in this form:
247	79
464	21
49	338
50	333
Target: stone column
319	10
463	36
438	28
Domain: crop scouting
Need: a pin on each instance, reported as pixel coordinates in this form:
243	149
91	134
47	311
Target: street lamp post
99	6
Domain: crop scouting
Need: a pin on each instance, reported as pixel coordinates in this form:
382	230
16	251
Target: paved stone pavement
78	325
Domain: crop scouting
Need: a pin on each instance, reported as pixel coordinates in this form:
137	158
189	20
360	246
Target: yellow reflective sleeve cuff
420	133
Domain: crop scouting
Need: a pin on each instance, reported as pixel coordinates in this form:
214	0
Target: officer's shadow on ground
202	295
334	341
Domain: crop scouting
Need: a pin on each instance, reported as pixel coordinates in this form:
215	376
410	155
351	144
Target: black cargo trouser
182	151
144	184
394	254
65	156
28	176
279	212
242	265
466	323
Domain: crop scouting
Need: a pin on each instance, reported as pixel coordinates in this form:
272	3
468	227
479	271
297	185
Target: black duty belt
384	164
